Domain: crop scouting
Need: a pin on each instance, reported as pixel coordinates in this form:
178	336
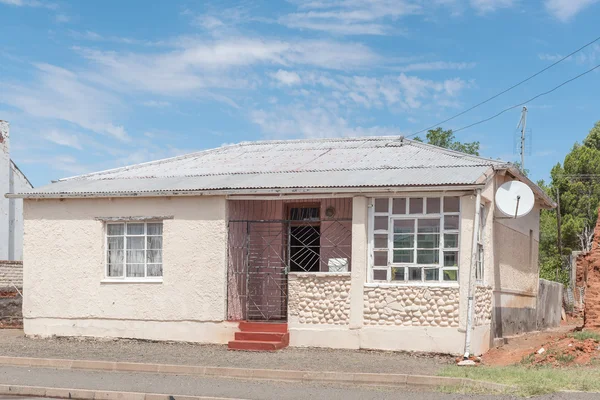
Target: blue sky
90	85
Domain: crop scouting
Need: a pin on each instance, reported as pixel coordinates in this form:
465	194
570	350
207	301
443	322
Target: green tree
577	182
445	138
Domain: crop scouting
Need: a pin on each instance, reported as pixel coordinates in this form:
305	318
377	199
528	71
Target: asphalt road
227	388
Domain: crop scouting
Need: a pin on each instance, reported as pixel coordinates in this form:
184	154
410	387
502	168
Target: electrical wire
506	90
529	100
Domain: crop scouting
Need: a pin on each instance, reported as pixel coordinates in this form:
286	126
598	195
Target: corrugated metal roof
316	163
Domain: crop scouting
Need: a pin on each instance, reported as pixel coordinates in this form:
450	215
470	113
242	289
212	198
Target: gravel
14	343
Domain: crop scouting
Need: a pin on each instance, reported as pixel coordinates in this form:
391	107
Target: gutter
229	192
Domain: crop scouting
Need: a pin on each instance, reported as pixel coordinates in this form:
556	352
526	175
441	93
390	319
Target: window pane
115	257
432	274
451	240
451	204
135	270
404	256
115	270
381	241
414	274
429	241
398	273
399	206
428	257
154	269
135	256
154	256
433	205
416	205
381	223
115	243
451	259
451	275
135	243
115	229
404	241
404	226
155	229
135	229
451	222
154	242
428	225
380	275
380	258
382	205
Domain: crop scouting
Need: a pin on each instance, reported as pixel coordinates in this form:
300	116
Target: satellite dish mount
515	199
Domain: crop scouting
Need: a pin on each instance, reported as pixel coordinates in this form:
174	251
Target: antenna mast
523	125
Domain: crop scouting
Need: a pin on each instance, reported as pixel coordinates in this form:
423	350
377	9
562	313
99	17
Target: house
352	242
11	210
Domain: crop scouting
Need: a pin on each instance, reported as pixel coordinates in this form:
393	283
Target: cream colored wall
516	247
64	268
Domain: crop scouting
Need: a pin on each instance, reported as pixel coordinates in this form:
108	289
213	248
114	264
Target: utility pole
523	124
559	239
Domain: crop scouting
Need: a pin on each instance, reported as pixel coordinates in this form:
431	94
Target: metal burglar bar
262	253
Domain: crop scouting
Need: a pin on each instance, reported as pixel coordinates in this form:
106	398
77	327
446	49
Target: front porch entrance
271	238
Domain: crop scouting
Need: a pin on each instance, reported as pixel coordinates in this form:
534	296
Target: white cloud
60	94
485	6
156	104
589	56
29	3
286	77
62	18
565	10
63	139
437	66
349	17
317	122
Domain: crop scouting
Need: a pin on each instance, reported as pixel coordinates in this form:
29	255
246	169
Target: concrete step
263	336
263	327
253	345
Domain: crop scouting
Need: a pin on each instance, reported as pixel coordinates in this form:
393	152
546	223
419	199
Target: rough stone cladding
320	299
411	306
483	305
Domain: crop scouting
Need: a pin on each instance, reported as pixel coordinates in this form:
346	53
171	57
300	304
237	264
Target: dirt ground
557	343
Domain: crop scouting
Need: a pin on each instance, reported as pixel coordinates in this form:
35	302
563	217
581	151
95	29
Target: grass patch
584	335
532	381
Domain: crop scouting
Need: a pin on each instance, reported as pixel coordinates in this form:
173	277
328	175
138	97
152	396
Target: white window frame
124	277
441	215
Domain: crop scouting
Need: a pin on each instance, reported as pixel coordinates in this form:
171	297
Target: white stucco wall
4	188
64	268
18	183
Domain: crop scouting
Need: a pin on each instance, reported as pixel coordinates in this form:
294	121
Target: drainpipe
472	277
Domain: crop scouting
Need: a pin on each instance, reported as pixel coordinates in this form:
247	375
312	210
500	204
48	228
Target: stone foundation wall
11	306
319	298
483	305
411	306
11	273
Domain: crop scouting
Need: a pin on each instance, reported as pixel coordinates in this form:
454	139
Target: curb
244	373
85	394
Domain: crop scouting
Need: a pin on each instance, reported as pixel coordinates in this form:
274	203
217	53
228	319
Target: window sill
317	274
132	280
411	284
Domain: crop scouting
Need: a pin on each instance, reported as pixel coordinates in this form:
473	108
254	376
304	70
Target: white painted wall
64	268
11	210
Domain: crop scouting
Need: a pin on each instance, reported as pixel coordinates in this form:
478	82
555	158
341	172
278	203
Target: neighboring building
12	180
355	242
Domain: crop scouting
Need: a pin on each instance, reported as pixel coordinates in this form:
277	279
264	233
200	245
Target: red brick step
260	336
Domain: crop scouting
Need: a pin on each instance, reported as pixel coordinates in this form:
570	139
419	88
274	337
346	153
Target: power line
528	101
506	90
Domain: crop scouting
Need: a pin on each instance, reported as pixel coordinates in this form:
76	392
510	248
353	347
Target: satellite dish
515	199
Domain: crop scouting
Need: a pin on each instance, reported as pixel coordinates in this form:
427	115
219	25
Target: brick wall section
11	273
590	274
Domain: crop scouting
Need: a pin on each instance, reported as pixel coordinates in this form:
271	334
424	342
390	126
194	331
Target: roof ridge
451	152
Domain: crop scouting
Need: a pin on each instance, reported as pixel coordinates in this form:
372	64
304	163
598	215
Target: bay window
415	239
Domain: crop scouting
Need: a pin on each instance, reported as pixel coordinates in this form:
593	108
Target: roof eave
249	191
